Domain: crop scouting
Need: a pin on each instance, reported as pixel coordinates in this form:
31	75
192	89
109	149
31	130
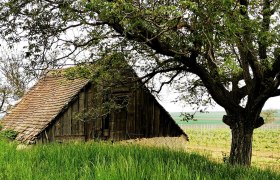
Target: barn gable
47	113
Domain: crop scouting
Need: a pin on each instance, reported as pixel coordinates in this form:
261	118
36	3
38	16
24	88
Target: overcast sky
167	97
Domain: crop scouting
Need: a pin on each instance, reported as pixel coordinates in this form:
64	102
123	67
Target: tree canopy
224	49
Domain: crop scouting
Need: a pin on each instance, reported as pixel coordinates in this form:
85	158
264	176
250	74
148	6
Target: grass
216	144
112	161
212	137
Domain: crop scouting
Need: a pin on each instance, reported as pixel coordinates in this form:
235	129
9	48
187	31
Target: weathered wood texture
142	117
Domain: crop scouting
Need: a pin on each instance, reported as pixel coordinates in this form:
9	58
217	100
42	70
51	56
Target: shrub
269	115
9	134
225	158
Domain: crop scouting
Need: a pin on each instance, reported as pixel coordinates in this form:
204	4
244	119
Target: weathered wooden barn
49	111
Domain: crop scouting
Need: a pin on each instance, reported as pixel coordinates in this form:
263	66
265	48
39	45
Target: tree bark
241	145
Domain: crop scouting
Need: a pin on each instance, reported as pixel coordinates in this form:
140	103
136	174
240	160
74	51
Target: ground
175	143
215	145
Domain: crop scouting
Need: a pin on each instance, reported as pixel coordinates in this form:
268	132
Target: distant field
209	135
200	118
215	143
209	118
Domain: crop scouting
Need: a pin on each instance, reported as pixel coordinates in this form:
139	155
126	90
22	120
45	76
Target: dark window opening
106	120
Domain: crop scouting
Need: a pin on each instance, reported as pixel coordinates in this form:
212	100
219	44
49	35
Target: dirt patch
176	143
23	146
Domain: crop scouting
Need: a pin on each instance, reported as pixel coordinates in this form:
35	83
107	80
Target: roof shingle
41	105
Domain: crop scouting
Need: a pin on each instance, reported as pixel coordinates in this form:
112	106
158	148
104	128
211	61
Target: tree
14	78
224	49
269	115
3	98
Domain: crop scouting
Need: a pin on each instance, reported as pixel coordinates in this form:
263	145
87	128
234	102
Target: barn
57	109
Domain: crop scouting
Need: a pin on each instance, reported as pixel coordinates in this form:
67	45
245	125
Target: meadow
215	144
114	161
210	137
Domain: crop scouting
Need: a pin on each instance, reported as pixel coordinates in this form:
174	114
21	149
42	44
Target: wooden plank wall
143	117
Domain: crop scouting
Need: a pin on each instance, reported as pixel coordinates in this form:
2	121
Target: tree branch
4	96
150	75
246	47
145	36
275	66
266	12
276	93
167	82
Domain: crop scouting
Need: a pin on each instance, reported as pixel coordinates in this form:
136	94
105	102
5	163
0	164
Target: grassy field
215	144
112	161
209	136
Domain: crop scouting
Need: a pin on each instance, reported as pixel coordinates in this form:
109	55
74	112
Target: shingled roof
41	105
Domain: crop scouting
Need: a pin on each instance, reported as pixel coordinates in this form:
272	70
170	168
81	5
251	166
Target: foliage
109	74
112	161
269	115
9	134
222	50
210	39
108	71
225	158
187	116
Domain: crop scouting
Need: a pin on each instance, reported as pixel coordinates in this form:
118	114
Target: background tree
15	79
227	50
269	115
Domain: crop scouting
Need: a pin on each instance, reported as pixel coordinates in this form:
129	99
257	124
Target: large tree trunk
241	146
242	127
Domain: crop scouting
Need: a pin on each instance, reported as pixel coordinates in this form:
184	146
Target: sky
166	102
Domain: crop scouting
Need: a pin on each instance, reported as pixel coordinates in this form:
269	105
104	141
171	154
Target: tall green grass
113	161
